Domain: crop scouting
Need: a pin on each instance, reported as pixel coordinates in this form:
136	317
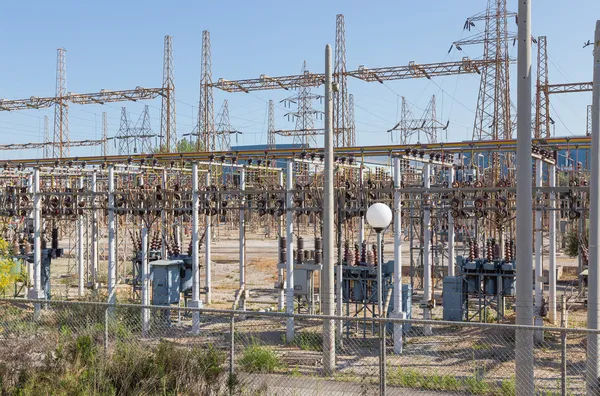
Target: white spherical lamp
379	216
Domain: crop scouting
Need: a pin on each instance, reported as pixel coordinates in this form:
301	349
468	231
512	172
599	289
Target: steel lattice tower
47	150
492	117
409	125
343	136
351	119
168	133
271	126
137	139
588	125
61	109
542	114
224	129
206	116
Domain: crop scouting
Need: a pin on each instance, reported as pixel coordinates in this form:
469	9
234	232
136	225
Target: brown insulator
476	249
348	255
356	254
282	250
471	251
363	252
318	251
375	258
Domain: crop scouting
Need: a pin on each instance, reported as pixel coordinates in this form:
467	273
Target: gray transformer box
301	282
453	299
166	279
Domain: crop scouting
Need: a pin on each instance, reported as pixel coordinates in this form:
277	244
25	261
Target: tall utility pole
542	111
271	126
224	129
47	148
168	133
105	134
61	108
206	117
305	132
343	136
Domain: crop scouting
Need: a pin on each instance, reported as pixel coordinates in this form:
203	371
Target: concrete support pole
397	294
427	286
195	303
242	241
552	247
145	270
289	265
112	262
524	300
593	366
80	246
539	279
30	274
95	248
328	246
451	249
163	224
280	272
38	292
207	253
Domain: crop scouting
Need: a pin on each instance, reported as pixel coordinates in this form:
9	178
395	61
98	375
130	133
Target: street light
379	216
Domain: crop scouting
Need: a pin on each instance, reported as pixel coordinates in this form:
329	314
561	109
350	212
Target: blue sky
119	45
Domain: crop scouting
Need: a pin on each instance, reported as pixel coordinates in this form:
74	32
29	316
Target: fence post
382	363
231	381
563	341
106	330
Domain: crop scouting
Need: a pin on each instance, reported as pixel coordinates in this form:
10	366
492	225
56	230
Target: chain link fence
83	348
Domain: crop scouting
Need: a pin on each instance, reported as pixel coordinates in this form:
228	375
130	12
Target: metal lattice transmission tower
343	134
206	113
305	132
47	150
61	108
351	119
542	111
224	129
492	117
426	126
105	134
168	133
271	126
136	139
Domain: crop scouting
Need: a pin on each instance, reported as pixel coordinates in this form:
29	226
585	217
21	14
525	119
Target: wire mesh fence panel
77	348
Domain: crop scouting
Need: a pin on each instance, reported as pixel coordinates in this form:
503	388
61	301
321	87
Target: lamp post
379	216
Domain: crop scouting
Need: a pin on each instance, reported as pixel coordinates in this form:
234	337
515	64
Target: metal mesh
88	348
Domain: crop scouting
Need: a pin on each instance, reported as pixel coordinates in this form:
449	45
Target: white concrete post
451	252
524	300
30	273
195	303
328	229
552	247
539	280
427	292
593	364
95	248
397	296
163	224
112	264
80	245
145	277
280	272
38	292
207	244
289	267
242	241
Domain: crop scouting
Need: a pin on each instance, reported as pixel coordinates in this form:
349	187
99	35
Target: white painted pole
451	252
242	241
552	247
207	244
145	269
397	294
112	264
289	265
163	223
361	219
38	292
427	292
524	301
538	281
95	248
30	272
80	246
195	303
328	227
593	366
280	272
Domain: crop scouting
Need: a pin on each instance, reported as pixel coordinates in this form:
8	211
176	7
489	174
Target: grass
259	359
308	341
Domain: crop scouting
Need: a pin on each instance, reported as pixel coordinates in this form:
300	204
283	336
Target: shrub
259	359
